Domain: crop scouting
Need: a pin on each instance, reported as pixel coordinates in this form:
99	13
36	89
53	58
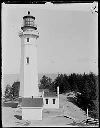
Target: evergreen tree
8	92
45	82
15	89
62	81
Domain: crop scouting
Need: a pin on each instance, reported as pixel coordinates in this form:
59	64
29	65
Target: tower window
27	39
46	101
27	59
53	101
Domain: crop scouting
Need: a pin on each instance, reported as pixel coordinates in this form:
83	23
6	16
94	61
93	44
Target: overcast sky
67	40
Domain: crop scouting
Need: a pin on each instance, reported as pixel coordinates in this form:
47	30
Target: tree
8	93
73	81
45	82
88	91
15	89
62	81
66	85
90	86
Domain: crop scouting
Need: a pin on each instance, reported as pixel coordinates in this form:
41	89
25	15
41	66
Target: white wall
32	113
50	102
28	72
21	91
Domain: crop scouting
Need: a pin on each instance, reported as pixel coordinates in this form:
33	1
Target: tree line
85	84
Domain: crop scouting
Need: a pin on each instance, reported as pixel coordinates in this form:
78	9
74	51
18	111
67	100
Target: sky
67	43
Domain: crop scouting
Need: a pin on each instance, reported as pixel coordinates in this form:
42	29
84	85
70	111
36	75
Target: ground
12	116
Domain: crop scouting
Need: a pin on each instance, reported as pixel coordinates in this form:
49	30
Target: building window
46	101
27	59
53	101
27	39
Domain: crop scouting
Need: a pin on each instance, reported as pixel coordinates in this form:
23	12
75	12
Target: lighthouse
32	104
28	67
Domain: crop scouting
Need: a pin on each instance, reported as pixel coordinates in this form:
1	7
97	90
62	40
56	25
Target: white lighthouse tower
32	104
28	68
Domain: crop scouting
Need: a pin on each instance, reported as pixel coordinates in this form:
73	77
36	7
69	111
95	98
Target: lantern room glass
28	22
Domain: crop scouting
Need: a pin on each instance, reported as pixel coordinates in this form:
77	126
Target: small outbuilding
32	108
51	99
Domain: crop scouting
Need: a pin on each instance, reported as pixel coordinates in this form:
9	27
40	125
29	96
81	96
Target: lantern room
29	22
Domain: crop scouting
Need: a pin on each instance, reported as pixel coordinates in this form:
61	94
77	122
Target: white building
32	108
29	91
32	102
28	68
51	99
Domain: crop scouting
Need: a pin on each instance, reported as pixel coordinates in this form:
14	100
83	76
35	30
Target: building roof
29	16
32	102
41	90
50	94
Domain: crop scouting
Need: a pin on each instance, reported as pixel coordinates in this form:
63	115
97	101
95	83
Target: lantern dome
29	22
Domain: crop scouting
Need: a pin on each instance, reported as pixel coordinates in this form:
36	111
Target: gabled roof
50	94
29	102
20	99
41	90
